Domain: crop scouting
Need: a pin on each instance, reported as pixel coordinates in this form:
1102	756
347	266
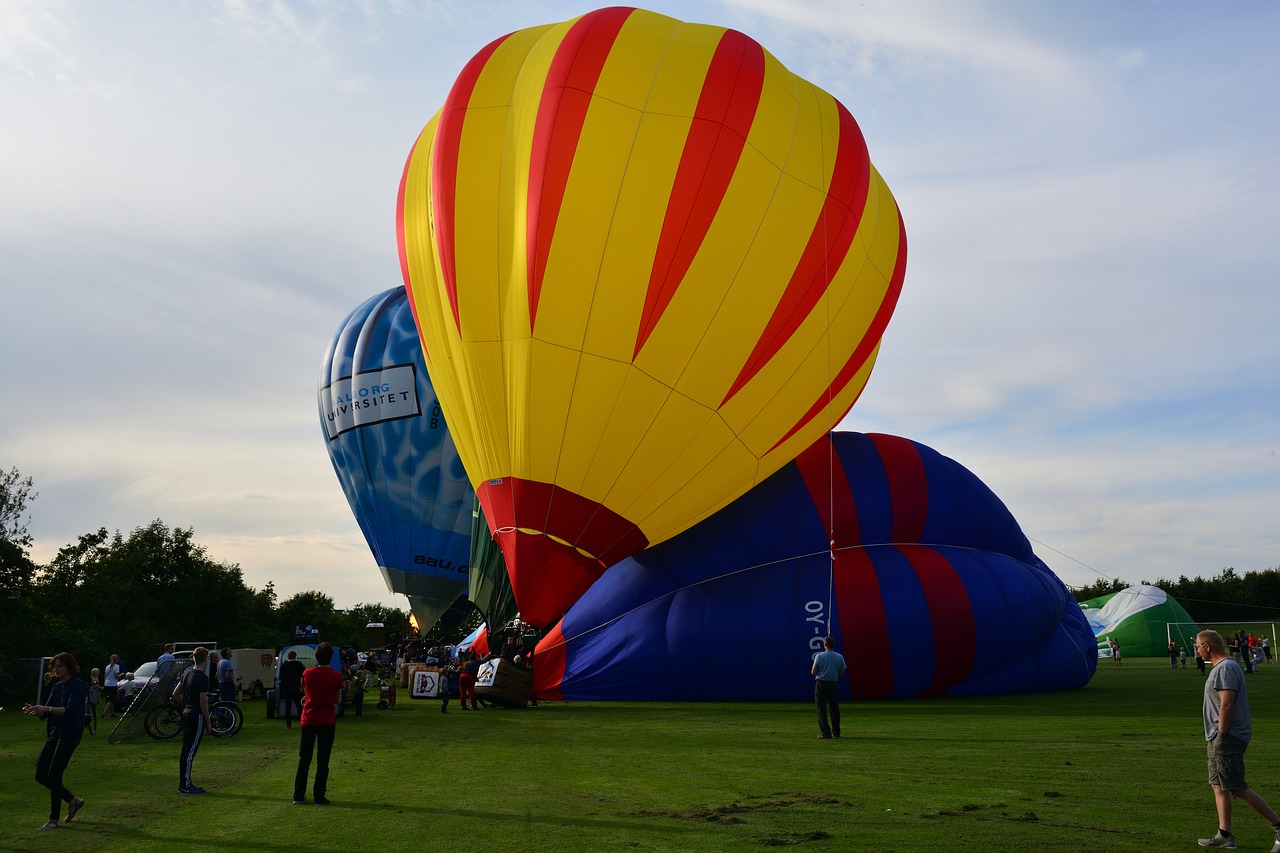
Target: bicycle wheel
225	719
164	722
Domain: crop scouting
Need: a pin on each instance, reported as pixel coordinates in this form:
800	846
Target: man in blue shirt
226	677
162	662
828	666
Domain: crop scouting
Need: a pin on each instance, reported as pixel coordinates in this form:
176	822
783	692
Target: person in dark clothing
63	714
291	686
193	692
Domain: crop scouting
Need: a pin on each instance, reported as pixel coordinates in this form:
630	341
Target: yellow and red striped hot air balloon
649	266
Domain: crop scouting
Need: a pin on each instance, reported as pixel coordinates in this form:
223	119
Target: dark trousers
53	761
288	697
320	740
826	698
192	731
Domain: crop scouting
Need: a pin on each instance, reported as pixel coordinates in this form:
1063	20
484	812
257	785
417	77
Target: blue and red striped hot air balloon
933	590
649	266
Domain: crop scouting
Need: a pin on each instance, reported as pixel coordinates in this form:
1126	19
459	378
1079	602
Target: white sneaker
1226	842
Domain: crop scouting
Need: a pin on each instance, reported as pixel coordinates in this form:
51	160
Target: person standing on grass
323	687
291	687
166	658
226	677
110	685
828	666
64	725
1228	729
193	692
467	680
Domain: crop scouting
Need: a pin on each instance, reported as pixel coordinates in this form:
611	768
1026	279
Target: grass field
1116	766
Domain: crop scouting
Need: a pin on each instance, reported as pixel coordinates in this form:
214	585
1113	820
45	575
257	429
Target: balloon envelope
649	266
394	457
933	590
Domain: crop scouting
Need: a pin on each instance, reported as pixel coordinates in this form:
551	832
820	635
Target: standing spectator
111	684
323	687
94	693
828	666
1265	641
1182	656
359	683
291	686
1242	643
226	677
467	680
1227	730
165	659
64	716
450	677
193	692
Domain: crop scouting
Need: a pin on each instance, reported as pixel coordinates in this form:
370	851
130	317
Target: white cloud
197	194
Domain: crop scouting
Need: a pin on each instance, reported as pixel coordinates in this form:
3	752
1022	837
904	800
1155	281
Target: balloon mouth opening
547	574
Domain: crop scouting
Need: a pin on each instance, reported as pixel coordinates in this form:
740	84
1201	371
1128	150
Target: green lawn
1116	766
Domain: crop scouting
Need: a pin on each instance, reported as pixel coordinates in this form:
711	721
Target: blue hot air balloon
904	556
394	457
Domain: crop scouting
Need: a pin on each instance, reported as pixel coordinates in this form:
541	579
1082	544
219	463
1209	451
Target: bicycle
165	721
225	719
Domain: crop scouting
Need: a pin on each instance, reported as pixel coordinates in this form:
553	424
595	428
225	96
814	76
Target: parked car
131	684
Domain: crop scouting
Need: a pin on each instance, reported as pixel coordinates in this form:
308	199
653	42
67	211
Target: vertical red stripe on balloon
444	167
828	485
864	625
829	243
866	346
908	486
955	637
566	96
863	621
717	135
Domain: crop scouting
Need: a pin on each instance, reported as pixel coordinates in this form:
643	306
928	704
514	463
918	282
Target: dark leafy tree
15	495
1097	589
129	595
312	608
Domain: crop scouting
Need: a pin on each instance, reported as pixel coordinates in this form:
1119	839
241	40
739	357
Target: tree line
1228	597
111	593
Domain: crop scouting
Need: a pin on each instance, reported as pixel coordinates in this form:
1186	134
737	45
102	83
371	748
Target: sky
193	195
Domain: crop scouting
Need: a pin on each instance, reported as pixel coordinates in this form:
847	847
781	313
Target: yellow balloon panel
654	265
